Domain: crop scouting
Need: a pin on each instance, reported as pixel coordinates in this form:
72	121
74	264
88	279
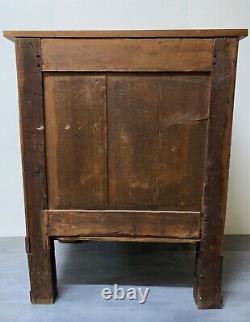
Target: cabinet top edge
184	33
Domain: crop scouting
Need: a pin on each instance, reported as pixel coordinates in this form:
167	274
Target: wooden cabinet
126	137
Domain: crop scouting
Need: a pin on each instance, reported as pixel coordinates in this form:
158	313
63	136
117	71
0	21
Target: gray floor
84	269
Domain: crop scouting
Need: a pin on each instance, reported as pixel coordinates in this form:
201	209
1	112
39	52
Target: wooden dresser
125	136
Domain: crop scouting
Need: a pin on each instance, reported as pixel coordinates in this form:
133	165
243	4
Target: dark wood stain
41	260
208	277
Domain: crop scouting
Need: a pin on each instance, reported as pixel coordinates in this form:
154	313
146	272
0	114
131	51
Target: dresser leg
42	271
208	277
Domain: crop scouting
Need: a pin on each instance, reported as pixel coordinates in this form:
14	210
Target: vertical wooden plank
183	117
208	275
133	142
41	259
76	145
157	135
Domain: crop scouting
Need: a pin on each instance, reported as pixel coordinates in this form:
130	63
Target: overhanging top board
189	33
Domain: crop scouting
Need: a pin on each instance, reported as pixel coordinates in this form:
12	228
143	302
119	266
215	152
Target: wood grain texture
133	138
127	54
183	119
208	276
75	113
129	239
157	140
41	261
110	223
191	33
126	138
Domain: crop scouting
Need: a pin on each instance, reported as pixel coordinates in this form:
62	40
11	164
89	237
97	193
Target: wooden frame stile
41	258
209	258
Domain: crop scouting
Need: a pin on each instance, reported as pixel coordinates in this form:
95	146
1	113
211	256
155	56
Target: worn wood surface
208	278
129	239
111	223
134	131
155	152
41	261
75	115
127	54
185	33
157	135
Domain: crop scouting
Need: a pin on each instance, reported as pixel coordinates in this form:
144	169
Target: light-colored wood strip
188	33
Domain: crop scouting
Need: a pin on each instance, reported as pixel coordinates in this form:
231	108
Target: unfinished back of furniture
126	136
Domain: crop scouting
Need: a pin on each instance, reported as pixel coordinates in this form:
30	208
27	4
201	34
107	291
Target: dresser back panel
126	140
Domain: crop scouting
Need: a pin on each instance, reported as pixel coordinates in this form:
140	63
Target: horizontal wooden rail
127	55
129	239
121	223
